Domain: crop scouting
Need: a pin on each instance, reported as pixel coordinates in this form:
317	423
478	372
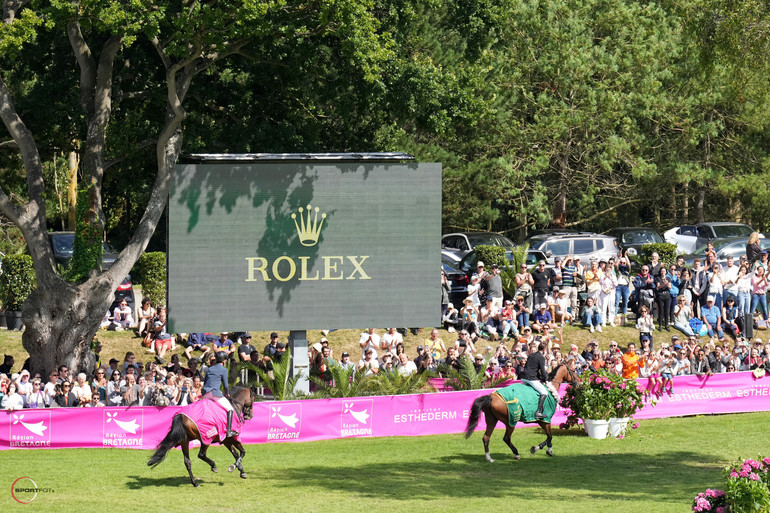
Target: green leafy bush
17	281
491	255
152	276
667	252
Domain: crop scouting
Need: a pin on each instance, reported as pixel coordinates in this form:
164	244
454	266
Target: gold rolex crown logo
308	227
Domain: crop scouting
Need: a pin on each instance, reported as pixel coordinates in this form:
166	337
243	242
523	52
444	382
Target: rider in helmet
535	375
215	376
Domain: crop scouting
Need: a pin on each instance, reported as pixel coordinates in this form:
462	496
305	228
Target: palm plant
282	386
508	272
467	378
345	383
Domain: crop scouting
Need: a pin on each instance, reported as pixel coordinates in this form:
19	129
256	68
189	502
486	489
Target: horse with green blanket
519	403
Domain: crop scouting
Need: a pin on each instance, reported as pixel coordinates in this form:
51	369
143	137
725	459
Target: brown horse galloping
495	409
183	430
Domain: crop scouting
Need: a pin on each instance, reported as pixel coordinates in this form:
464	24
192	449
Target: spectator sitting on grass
163	342
196	342
542	318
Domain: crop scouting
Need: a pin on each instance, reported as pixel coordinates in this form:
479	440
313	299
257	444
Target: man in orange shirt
632	362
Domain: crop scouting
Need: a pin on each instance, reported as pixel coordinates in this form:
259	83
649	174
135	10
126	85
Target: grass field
657	468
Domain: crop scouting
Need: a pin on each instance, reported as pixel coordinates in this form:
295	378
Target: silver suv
583	245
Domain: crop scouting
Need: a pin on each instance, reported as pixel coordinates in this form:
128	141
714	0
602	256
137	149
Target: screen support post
299	361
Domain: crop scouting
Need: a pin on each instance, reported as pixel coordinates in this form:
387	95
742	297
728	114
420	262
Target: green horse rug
522	404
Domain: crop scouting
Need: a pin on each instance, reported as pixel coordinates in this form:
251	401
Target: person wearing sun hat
469	316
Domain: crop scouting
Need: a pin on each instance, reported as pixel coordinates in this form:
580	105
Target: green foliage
600	396
355	383
491	255
345	383
467	378
87	248
17	281
282	386
667	252
748	485
152	276
508	273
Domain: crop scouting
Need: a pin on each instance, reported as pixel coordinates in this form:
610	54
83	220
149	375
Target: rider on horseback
216	376
535	375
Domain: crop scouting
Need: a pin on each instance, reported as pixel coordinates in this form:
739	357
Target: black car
458	282
635	238
63	243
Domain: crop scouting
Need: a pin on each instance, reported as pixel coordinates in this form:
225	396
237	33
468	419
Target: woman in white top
82	390
744	290
36	398
12	400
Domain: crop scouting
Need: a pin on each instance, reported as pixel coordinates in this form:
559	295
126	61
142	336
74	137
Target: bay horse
183	430
495	409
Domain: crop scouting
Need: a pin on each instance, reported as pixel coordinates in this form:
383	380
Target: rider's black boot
540	402
230	431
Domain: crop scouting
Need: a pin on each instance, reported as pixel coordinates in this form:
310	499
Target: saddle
522	402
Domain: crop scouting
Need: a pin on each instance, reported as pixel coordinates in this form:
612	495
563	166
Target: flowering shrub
747	486
601	396
710	500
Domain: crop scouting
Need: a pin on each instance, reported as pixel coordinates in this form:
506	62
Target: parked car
635	238
458	282
734	246
583	245
690	237
457	245
63	243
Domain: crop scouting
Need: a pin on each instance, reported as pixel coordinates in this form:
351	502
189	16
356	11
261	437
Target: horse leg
238	454
202	456
547	442
491	423
507	440
187	462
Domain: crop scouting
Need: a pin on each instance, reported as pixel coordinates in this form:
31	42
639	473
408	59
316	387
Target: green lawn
658	468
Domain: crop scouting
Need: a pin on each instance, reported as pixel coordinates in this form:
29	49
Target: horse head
243	398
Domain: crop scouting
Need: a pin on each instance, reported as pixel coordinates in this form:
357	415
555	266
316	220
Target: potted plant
599	397
16	284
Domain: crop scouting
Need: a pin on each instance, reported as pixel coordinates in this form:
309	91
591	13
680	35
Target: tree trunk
60	323
72	191
685	203
560	210
699	205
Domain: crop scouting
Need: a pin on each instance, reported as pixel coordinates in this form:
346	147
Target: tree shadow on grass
605	476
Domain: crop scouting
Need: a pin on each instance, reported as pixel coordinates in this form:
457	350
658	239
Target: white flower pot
596	428
618	426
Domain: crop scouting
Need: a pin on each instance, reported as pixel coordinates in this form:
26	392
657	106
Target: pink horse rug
211	420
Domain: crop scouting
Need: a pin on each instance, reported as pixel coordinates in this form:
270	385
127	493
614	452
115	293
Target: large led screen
285	246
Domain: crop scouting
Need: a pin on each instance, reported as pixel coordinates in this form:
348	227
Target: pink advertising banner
321	419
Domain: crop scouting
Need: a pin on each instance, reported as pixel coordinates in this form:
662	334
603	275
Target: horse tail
482	403
176	435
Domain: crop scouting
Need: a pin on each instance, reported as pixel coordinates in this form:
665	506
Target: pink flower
743	473
754	477
703	504
734	474
635	426
720	509
752	463
766	461
621	436
622	386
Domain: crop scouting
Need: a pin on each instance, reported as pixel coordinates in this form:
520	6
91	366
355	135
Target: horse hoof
214	469
231	468
533	450
517	457
549	452
243	475
489	458
196	484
